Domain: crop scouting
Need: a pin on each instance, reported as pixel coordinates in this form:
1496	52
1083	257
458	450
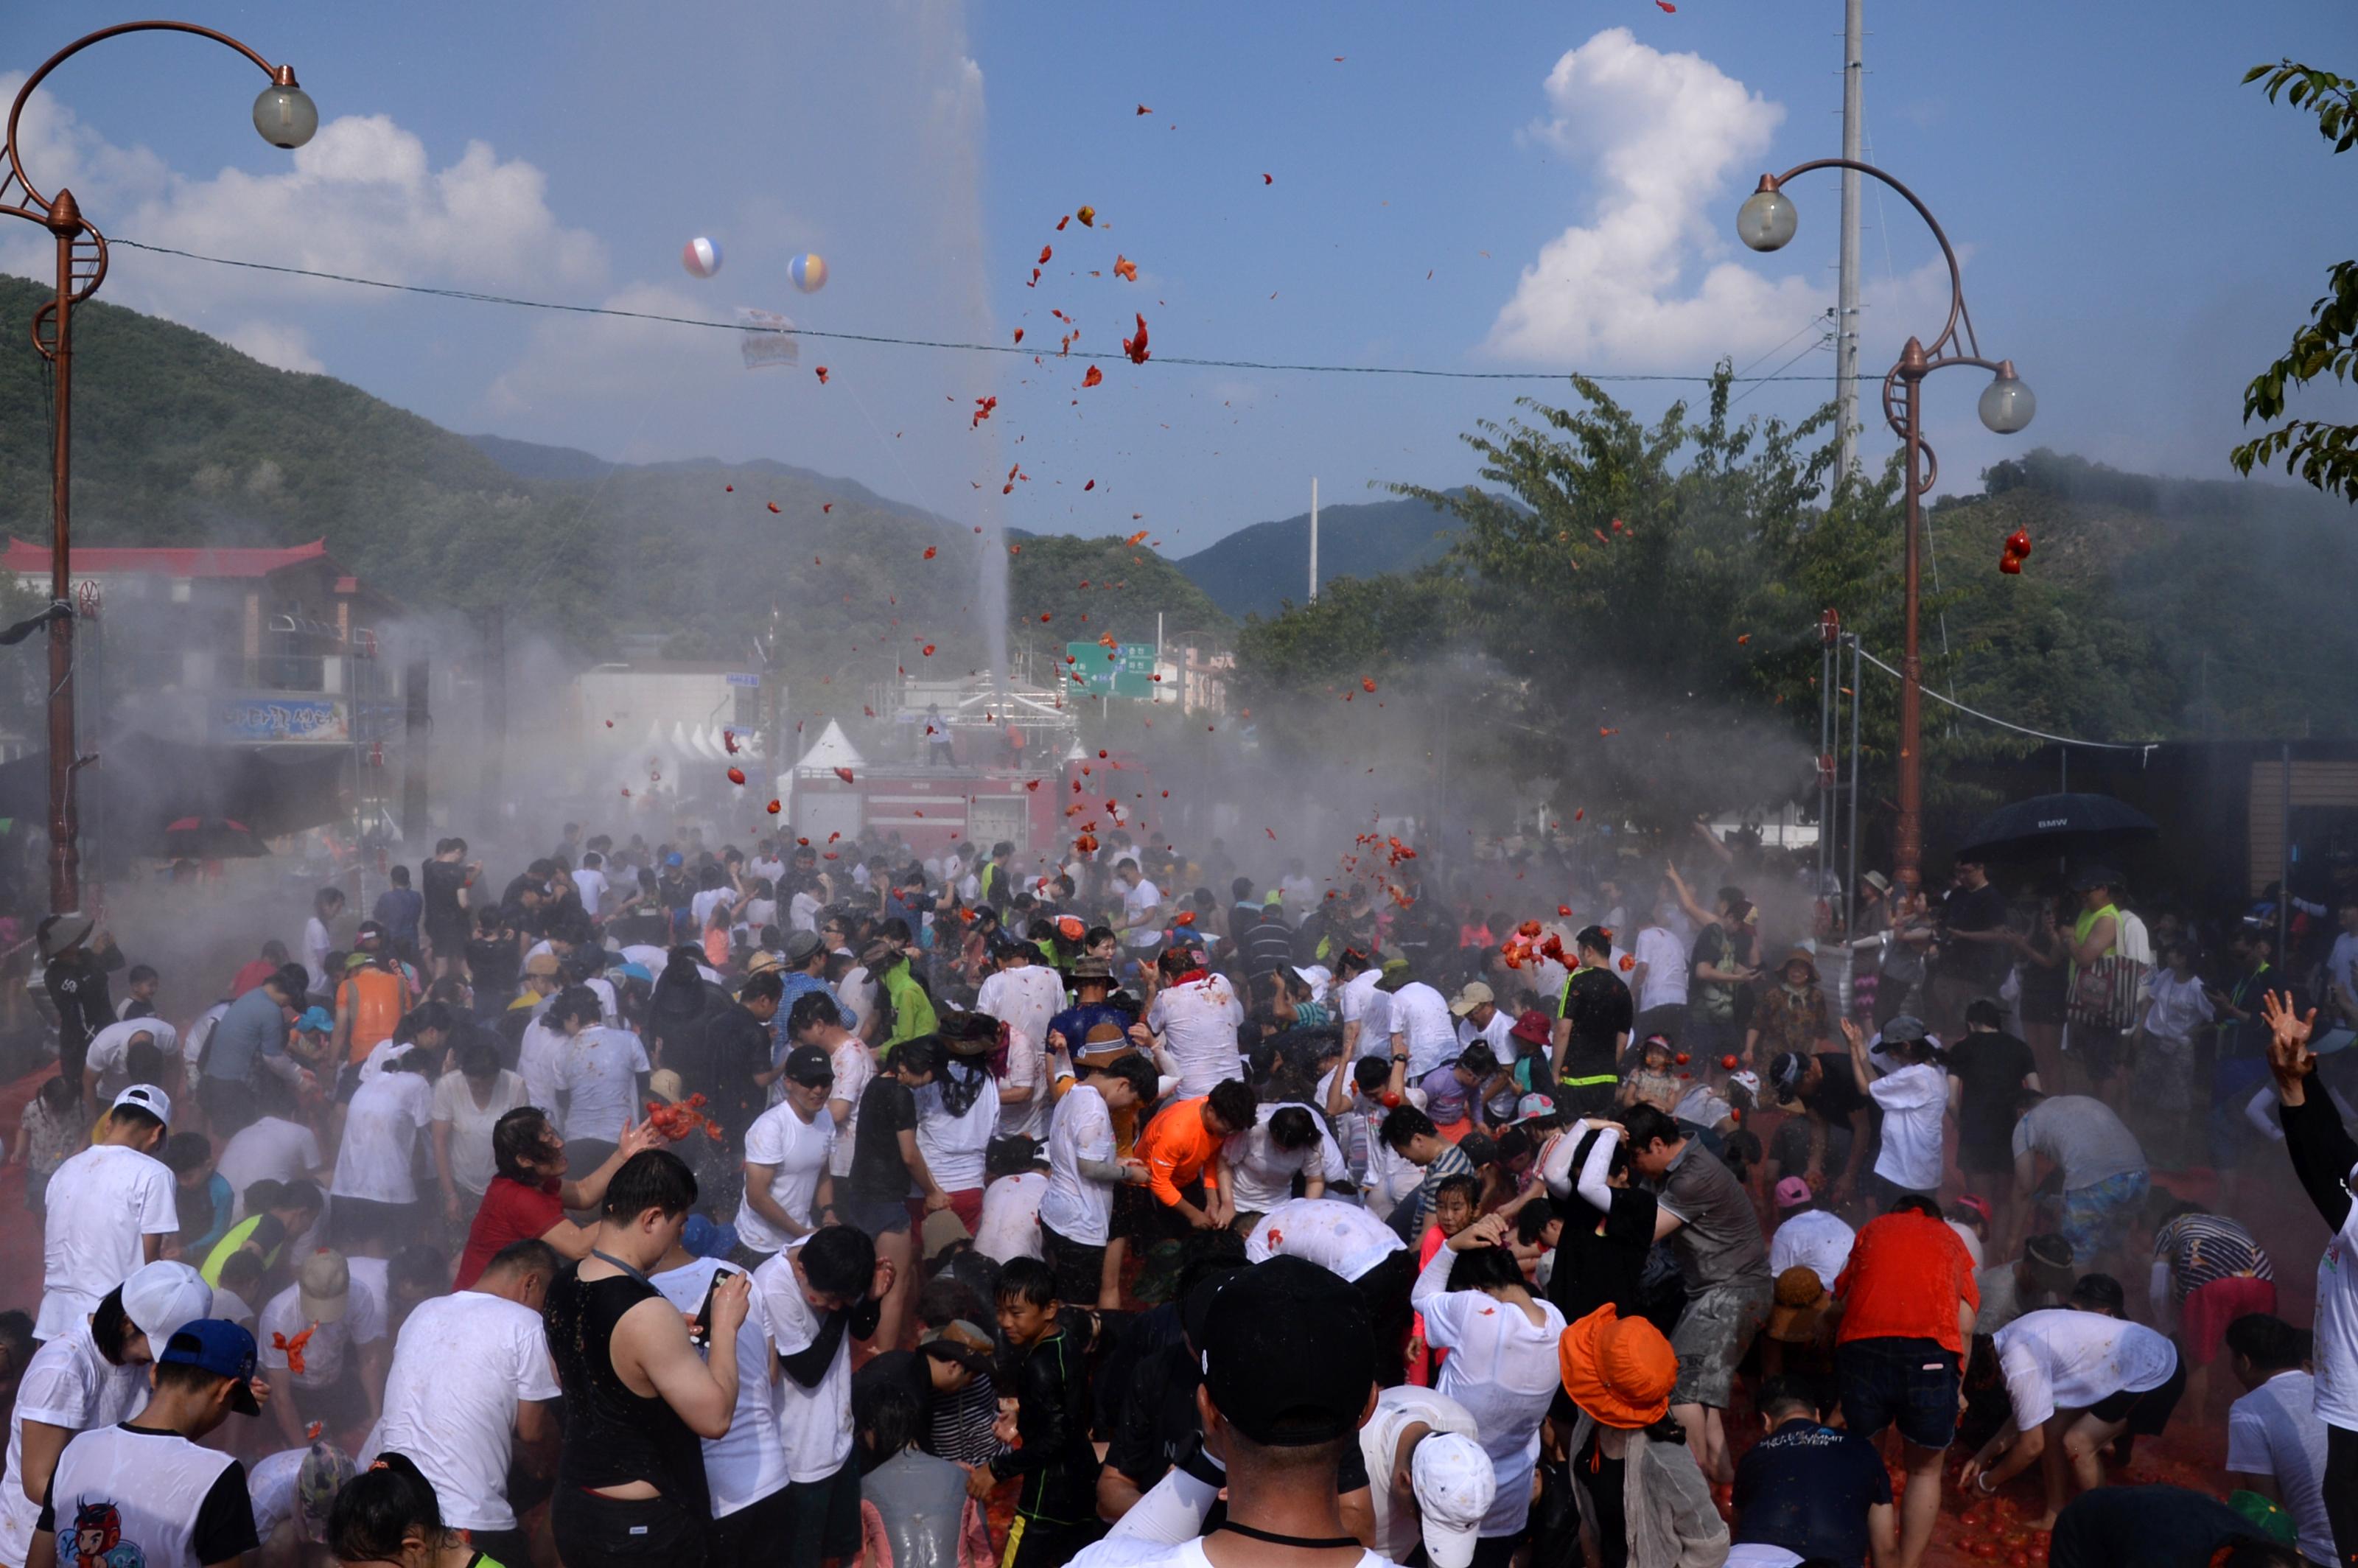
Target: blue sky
2141	233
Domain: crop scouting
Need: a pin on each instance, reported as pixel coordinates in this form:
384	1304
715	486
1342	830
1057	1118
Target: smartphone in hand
699	1333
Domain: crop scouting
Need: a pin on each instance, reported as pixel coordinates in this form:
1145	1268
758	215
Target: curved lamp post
286	117
1766	222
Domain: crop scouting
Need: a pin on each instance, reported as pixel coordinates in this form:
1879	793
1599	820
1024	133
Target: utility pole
1313	538
1847	313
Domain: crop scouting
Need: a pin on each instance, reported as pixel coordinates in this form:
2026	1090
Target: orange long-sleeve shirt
1177	1149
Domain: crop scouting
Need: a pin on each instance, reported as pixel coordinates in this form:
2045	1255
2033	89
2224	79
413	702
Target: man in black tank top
638	1394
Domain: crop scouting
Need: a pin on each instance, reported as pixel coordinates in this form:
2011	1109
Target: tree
2323	453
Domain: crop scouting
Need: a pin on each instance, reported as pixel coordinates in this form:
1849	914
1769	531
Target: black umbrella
2055	825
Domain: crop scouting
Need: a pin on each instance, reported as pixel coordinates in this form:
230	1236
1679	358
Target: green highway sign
1125	670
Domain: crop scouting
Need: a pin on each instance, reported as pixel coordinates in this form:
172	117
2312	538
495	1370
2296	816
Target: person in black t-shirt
443	914
1593	1020
1976	949
1989	1070
885	1165
1809	1488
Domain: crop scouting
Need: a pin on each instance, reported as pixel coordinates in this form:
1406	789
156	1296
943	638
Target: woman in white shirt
469	1100
1913	1095
1502	1363
318	941
957	1117
2162	1044
375	1189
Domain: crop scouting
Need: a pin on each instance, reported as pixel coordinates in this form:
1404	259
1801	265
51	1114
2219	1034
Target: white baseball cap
163	1297
149	1098
1455	1483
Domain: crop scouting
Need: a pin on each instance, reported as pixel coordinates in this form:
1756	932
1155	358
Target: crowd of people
798	1203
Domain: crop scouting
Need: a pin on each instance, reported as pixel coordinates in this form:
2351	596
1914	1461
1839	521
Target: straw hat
1620	1371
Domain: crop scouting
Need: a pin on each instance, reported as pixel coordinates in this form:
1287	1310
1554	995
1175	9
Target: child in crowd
1653	1081
1055	1513
52	1130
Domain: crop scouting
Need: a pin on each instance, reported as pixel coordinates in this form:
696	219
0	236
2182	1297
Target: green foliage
2323	453
1087	586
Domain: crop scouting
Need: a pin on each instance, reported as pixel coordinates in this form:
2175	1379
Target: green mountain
179	439
1258	569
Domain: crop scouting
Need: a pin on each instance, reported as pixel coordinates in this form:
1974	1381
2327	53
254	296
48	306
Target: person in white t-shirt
747	1469
106	1071
786	1154
1659	981
1289	1378
590	882
334	1325
1420	1023
957	1114
1257	1166
94	1374
1022	993
818	1295
1077	1211
108	1209
601	1077
1194	1017
374	1164
1429	1482
469	1101
1808	1234
2276	1444
1011	1203
273	1146
1142	907
469	1386
1914	1098
2077	1378
1366	1010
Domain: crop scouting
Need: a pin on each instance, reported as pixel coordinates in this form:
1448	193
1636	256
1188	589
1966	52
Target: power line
2144	747
473	297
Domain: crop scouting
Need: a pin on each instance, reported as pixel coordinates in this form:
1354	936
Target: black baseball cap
809	1065
1288	1356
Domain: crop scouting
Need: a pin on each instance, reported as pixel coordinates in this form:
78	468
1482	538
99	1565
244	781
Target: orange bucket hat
1618	1369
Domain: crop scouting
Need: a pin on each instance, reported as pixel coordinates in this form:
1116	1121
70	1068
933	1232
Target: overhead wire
891	340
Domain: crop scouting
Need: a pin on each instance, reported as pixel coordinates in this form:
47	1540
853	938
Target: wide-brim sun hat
1620	1371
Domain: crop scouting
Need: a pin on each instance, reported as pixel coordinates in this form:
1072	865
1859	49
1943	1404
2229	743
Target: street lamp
286	117
1767	222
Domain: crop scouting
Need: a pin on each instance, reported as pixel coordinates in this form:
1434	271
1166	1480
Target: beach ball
702	256
809	272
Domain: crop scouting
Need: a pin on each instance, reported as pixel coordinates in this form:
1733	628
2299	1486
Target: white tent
832	750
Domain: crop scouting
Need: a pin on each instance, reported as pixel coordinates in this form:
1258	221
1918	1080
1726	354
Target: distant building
272	645
1194	675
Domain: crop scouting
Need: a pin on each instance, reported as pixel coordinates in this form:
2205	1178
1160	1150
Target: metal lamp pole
284	115
1766	222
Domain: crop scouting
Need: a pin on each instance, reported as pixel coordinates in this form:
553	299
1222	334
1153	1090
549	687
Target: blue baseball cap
316	1021
220	1347
635	972
675	858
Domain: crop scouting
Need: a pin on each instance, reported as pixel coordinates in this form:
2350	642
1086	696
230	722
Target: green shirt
912	1010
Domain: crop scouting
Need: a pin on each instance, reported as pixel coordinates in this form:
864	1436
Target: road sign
743	680
1126	669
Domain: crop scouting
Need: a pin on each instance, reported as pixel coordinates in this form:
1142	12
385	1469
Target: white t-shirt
160	1484
192	1043
1341	1238
1502	1368
66	1384
1011	1217
2275	1431
1970	1239
953	1145
1399	1533
110	1051
1023	999
1140	902
271	1488
857	993
380	1129
1665	961
590	881
2337	1326
1131	1552
461	1365
705	903
472	1165
1913	1099
1197	1022
324	1353
317	944
802	911
601	1073
1419	1014
750	1462
1370	1009
269	1150
813	1425
798	1152
1499	1035
1814	1236
1263	1174
2178	1008
2060	1360
100	1202
855	1064
1074	1206
540	1062
1027	1067
2341	964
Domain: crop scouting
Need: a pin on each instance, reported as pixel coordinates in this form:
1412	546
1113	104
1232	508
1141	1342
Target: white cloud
362	198
288	347
572	359
1647	282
